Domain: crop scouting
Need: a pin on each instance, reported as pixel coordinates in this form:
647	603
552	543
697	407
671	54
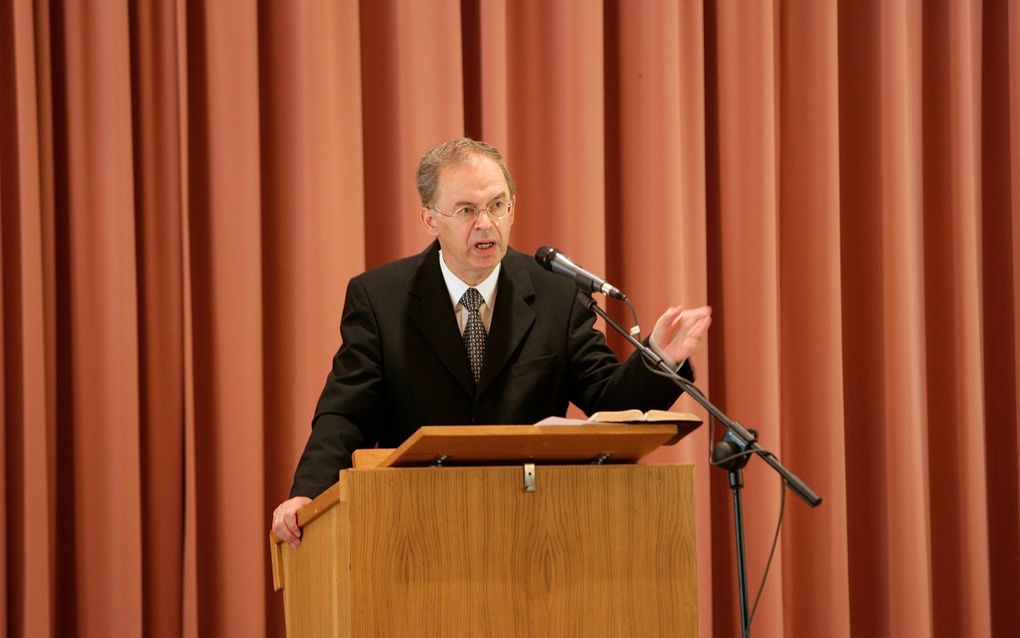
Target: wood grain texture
313	578
603	551
595	550
370	457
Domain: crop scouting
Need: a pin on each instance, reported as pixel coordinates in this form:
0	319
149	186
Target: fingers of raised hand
697	327
669	323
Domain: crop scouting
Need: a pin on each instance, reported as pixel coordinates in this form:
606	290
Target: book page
559	420
618	416
637	416
671	417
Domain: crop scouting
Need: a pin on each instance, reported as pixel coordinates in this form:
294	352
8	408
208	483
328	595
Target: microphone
552	259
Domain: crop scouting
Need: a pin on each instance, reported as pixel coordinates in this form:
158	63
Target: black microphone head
545	255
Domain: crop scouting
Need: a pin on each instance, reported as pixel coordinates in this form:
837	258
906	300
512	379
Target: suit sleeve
600	382
346	417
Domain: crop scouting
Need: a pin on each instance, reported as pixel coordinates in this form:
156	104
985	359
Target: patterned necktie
474	332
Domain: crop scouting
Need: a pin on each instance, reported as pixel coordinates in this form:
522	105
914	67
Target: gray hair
454	153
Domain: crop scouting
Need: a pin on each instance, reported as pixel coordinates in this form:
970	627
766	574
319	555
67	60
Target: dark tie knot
471	300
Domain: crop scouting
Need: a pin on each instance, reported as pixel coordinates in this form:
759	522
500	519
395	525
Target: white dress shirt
457	288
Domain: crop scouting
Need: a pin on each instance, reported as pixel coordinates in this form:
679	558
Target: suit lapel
432	313
511	320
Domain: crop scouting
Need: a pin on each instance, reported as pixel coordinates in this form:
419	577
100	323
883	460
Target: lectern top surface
515	444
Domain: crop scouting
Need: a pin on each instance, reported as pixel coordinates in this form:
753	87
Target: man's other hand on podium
285	524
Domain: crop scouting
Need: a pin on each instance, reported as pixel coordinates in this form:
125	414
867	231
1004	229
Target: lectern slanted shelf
499	531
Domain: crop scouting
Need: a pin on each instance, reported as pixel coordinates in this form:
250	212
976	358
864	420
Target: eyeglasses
498	209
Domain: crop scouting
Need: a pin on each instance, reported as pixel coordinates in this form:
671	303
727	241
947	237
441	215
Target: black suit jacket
403	364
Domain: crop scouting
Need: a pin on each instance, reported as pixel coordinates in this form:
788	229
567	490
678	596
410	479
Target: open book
685	422
637	416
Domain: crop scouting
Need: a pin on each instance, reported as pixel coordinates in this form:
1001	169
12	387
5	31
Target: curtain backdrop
187	186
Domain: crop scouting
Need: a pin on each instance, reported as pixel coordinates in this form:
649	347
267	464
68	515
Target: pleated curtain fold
186	187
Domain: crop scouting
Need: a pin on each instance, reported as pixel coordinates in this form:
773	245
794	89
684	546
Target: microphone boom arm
748	440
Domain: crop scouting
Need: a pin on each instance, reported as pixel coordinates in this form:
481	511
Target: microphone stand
743	440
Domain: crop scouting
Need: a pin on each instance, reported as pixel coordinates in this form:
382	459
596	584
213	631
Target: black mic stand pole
728	455
741	437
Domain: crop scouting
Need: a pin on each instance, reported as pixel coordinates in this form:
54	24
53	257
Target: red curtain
186	188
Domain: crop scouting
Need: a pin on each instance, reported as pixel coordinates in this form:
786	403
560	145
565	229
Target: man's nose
483	220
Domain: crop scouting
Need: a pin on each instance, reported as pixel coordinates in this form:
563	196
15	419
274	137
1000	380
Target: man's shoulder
393	273
526	264
530	278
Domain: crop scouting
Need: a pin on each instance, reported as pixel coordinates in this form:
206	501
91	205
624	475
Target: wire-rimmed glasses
497	210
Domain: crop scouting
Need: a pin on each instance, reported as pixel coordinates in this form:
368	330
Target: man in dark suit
469	331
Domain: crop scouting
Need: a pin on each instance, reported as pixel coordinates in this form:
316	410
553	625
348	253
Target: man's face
473	246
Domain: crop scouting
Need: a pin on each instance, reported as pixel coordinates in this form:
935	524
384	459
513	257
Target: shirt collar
457	288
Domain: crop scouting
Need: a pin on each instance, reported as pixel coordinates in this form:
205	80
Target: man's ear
429	221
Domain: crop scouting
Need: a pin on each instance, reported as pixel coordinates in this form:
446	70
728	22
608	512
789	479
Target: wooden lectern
511	531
